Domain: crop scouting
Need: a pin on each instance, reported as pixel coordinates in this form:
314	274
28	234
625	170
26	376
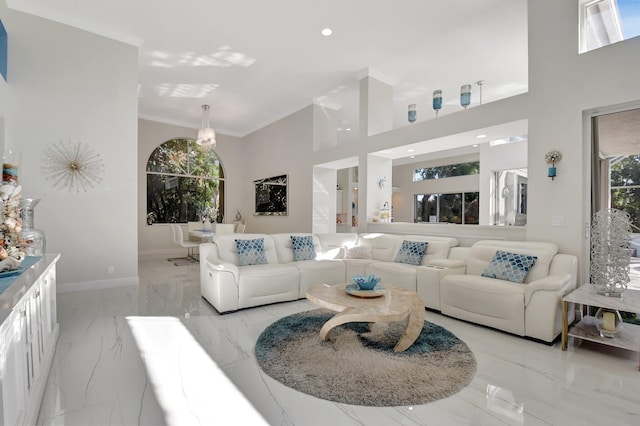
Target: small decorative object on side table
627	337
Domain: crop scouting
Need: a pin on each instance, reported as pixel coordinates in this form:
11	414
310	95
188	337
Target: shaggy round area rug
357	364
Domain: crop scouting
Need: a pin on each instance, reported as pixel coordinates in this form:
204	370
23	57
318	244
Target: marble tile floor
99	376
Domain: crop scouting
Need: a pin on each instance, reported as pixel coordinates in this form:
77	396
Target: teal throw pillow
303	248
507	266
411	252
251	252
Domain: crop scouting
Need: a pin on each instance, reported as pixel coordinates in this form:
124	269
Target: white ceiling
256	61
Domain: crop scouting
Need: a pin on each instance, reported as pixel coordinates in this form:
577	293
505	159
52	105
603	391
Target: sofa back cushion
228	252
482	252
384	247
250	252
303	247
284	246
411	252
333	244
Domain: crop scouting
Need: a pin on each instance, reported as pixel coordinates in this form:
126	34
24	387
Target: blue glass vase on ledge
413	115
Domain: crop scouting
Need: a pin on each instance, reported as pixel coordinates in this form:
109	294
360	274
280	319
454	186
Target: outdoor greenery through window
450	170
185	183
625	187
461	207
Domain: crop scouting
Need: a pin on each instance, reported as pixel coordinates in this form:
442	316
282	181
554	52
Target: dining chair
223	228
178	238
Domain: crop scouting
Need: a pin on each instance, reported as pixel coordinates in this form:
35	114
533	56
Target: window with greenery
450	170
460	207
625	187
185	183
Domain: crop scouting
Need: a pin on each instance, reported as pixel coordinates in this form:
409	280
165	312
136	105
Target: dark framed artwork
271	196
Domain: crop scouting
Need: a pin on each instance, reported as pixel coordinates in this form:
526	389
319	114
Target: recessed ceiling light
413	156
326	32
481	136
411	150
475	145
348	129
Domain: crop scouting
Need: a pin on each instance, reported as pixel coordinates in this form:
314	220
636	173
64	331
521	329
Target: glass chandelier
206	134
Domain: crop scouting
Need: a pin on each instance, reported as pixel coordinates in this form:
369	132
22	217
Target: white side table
586	295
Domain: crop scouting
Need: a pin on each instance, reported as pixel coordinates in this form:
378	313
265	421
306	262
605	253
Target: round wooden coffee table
395	305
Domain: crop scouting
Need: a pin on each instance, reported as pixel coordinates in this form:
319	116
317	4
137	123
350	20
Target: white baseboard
98	284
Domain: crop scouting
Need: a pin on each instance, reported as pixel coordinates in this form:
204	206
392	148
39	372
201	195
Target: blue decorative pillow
251	252
303	248
411	252
509	266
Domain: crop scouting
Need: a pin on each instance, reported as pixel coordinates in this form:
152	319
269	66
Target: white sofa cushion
312	272
509	266
251	252
358	252
264	284
488	301
385	247
284	246
411	252
482	252
228	252
333	244
303	247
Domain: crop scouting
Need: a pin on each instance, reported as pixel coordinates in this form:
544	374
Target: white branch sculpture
610	241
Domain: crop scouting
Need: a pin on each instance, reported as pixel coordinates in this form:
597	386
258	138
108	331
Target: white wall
67	84
157	238
284	147
379	168
562	85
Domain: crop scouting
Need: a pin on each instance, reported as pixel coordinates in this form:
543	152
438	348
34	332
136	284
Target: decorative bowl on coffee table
365	282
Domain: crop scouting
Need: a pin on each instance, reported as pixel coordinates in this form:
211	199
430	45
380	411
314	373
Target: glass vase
608	322
412	114
10	167
34	239
465	95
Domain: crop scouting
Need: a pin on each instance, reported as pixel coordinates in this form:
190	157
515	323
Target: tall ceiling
256	61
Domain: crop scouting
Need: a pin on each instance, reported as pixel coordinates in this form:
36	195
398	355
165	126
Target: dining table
202	235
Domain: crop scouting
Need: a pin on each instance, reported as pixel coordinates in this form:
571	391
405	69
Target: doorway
615	172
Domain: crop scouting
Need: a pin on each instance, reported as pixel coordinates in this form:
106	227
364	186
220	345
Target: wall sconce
382	182
552	157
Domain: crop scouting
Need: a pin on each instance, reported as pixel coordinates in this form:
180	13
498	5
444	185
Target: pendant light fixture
206	134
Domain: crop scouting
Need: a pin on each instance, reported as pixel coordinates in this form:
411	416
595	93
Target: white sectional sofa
229	287
448	279
531	308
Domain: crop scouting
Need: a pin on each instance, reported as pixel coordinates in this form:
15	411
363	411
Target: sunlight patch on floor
189	386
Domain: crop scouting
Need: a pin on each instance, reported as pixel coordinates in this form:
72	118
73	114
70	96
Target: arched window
185	183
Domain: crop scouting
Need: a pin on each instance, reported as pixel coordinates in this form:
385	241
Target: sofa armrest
561	283
219	284
428	280
219	266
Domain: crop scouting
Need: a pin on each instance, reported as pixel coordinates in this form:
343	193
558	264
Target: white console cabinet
28	336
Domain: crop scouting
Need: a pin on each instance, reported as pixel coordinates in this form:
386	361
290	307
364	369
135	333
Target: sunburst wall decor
72	166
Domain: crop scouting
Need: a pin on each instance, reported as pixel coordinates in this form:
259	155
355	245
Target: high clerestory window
603	22
185	183
449	170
